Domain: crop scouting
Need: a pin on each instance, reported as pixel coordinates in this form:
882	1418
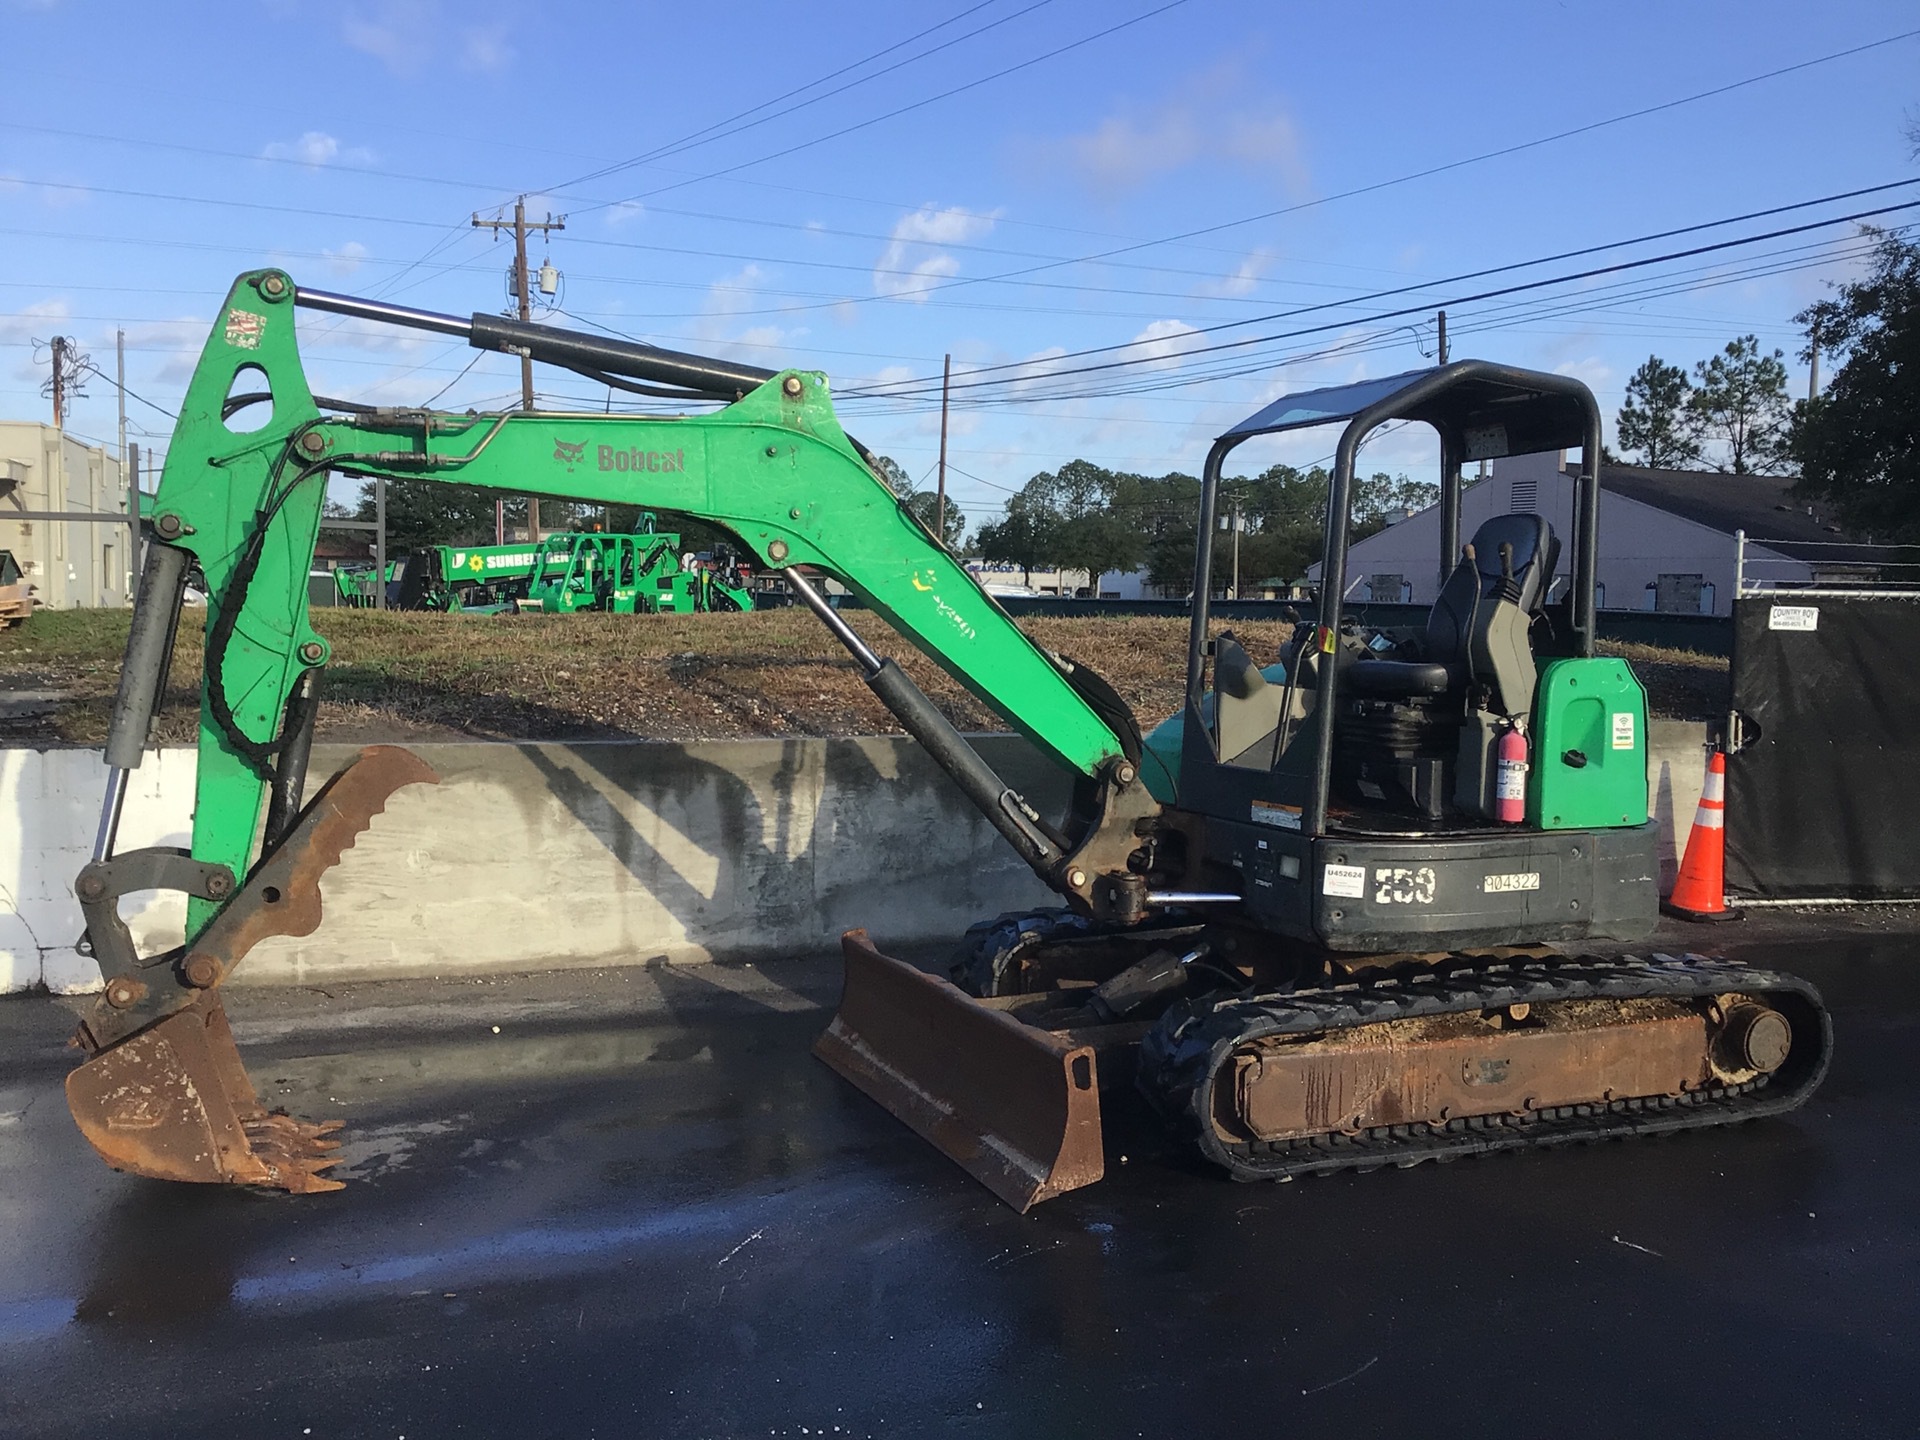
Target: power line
706	136
1450	165
1450	280
895	113
1449	303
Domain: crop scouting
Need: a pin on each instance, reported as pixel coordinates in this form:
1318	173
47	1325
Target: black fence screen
1823	797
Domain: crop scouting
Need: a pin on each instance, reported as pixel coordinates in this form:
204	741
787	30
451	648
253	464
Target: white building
1666	536
1004	575
70	564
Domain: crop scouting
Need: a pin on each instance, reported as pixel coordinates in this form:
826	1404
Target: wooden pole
940	499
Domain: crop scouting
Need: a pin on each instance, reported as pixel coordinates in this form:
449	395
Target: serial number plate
1503	884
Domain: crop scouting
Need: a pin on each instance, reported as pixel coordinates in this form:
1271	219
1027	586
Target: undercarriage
1273	1061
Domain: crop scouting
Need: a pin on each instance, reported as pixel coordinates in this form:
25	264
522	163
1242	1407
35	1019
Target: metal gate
1823	768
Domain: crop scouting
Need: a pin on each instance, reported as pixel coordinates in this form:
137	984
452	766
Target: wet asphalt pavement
643	1209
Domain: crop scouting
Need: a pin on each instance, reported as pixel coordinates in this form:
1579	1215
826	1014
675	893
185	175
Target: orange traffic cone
1700	889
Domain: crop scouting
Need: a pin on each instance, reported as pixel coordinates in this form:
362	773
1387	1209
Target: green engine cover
1589	767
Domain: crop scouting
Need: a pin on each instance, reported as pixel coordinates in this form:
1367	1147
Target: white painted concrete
49	812
595	854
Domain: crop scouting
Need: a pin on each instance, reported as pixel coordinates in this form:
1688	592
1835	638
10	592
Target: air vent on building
1524	497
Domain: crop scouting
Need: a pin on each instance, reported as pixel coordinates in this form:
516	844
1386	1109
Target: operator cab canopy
1488	410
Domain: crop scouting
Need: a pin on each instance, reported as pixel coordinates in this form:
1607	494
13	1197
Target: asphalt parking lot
642	1208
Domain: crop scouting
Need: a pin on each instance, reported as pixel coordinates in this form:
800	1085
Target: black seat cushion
1397	677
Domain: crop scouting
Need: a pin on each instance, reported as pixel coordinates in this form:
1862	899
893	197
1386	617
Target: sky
865	188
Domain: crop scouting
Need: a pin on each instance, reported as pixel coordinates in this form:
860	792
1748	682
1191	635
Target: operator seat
1509	563
1415	735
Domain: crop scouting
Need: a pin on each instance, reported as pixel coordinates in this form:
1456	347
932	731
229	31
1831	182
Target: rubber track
1191	1045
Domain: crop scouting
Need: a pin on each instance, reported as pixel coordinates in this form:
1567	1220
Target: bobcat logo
569	455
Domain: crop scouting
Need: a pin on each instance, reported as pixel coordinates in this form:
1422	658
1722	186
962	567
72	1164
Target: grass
679	677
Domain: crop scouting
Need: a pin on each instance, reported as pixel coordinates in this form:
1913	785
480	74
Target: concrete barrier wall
539	856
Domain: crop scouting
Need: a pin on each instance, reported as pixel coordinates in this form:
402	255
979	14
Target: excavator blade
163	1092
1016	1107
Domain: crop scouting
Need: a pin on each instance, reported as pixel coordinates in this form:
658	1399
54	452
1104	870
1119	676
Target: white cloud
1124	152
32	319
36	321
624	213
346	259
912	261
741	296
1212	119
315	148
1244	277
405	35
485	48
1037	367
1160	345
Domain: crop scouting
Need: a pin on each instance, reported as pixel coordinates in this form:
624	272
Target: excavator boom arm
774	467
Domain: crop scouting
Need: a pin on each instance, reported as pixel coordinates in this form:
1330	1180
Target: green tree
1381	499
1740	399
1025	536
427	512
925	505
894	474
1657	420
1079	517
1858	445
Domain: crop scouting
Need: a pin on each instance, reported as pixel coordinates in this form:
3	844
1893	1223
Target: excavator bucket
1016	1107
175	1103
163	1092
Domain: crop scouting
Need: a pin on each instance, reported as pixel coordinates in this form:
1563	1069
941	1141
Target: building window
1387	589
1678	594
1706	598
1599	594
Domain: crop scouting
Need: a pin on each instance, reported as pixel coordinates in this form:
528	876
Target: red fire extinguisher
1510	782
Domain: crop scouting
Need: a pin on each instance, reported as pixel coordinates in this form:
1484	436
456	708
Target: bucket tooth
1016	1107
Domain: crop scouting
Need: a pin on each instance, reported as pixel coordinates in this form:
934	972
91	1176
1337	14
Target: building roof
1761	505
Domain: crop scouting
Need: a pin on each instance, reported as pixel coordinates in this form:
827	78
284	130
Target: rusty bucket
163	1091
1016	1107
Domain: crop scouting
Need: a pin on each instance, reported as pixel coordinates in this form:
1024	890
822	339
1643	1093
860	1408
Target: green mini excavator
1327	918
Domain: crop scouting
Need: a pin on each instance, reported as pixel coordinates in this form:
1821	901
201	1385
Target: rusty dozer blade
1018	1108
163	1092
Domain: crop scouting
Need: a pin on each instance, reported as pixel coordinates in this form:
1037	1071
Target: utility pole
522	292
1239	524
133	521
380	543
1443	337
120	384
940	499
1813	353
1235	521
59	381
129	462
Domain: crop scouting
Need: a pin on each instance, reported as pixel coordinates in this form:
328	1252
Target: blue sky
149	152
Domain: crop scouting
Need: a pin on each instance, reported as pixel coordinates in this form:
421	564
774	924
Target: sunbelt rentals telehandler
1310	917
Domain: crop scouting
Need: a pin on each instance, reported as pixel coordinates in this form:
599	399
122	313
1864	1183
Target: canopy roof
1490	410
